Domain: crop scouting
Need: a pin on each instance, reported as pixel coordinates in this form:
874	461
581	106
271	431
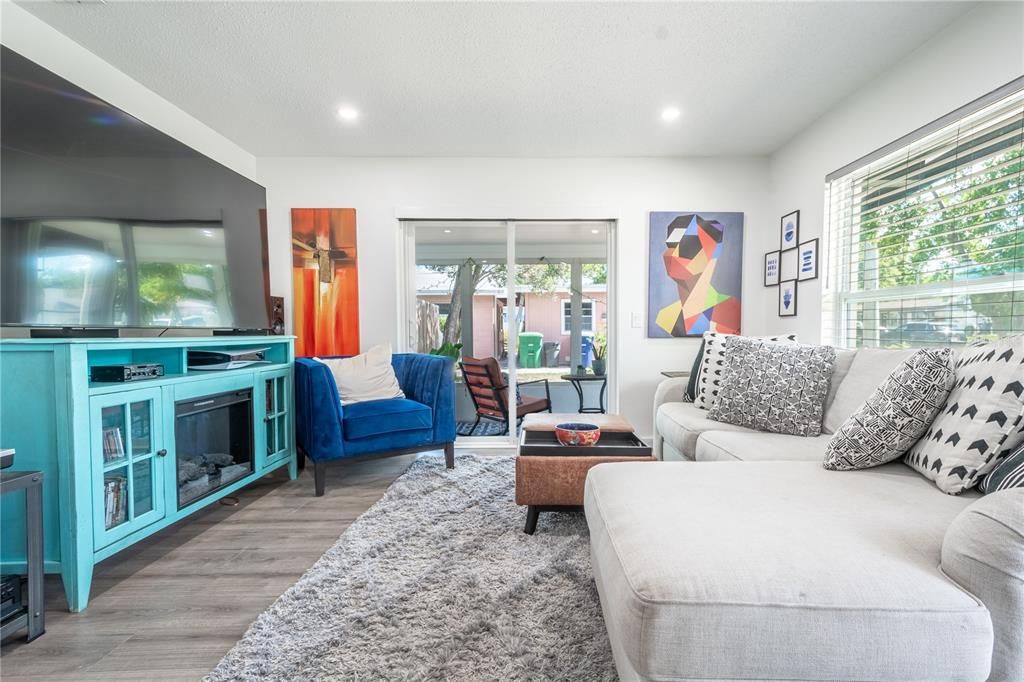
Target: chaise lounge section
746	559
783	570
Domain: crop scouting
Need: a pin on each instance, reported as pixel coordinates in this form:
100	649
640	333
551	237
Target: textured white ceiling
502	79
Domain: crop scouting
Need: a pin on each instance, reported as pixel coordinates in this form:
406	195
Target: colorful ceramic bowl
577	433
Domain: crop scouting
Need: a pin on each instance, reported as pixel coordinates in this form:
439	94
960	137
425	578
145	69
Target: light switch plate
635	320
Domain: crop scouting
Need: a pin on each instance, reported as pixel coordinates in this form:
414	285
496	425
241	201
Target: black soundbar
74	332
241	332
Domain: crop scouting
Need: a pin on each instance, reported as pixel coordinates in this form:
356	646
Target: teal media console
123	460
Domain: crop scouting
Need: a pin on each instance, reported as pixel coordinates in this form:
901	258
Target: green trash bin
530	345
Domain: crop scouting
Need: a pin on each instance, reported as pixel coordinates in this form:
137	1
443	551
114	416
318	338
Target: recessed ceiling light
669	114
594	231
347	113
447	231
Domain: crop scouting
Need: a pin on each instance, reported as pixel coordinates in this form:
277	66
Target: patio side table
577	381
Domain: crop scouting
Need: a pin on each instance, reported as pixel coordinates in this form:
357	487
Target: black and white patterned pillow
895	416
981	419
1009	473
778	387
712	364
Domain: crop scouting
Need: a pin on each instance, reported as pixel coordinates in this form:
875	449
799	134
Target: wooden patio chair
489	392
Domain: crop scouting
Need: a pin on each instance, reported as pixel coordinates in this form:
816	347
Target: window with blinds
925	244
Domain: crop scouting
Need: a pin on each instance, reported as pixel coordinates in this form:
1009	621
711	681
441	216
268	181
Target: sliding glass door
561	284
527	337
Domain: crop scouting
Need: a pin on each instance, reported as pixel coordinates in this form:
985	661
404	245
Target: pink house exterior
545	313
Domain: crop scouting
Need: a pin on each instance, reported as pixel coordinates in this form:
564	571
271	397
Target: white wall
979	52
381	190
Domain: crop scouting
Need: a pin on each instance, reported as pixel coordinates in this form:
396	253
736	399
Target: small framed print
787	264
771	269
789	231
787	298
807	260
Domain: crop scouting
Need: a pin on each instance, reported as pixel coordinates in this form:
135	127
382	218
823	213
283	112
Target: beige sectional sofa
745	559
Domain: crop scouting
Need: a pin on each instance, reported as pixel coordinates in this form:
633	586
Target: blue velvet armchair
327	431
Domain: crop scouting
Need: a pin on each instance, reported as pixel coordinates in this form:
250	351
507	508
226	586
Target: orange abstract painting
326	281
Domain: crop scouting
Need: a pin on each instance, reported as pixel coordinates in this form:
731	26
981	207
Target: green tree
963	222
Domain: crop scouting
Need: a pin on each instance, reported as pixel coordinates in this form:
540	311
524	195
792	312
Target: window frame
566	310
841	248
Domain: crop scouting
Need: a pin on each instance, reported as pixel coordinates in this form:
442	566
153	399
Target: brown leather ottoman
553	481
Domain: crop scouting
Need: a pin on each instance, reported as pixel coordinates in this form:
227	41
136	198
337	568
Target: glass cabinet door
277	421
128	463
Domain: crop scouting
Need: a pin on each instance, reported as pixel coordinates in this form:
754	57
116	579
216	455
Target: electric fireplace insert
213	442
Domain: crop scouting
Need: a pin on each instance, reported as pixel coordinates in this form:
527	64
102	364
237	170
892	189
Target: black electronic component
117	373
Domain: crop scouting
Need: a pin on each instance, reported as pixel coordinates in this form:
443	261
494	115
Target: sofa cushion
777	387
869	368
895	415
680	424
713	360
378	417
780	570
841	367
755	446
982	419
984	552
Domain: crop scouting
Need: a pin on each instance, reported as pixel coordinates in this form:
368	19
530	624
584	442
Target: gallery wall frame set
793	262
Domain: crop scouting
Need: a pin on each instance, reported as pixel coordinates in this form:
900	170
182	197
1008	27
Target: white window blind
925	244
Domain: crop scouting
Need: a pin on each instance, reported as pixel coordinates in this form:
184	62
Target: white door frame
406	308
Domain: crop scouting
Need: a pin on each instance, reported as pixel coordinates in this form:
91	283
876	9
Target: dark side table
34	615
577	381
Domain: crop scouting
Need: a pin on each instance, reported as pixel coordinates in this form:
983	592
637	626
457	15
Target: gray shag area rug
437	581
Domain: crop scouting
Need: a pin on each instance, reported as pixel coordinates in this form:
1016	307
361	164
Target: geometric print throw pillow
712	364
1009	473
895	415
777	387
981	421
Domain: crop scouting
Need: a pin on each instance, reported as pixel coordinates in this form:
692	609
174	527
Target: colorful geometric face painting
325	277
695	273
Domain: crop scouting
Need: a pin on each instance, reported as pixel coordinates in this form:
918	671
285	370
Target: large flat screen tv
108	222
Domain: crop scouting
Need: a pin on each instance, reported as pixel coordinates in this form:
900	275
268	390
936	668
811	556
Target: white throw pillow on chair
368	376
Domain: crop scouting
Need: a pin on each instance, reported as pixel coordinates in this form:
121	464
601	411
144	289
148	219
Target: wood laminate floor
169	607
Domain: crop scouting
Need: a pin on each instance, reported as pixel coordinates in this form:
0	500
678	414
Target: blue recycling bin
586	350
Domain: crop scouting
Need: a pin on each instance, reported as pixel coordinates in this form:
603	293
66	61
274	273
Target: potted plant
448	350
452	351
600	353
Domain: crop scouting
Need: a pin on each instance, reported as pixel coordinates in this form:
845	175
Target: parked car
923	332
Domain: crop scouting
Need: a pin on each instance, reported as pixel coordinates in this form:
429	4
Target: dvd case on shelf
115	496
113	444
